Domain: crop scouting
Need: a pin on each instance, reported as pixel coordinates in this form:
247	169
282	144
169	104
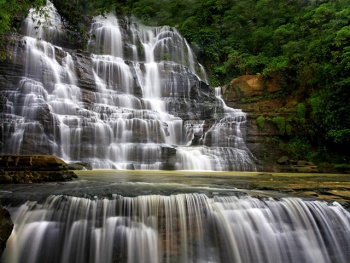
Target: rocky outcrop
255	96
247	86
33	169
12	69
6	227
301	166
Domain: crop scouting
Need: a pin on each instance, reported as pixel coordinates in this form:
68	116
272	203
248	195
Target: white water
44	24
143	81
178	228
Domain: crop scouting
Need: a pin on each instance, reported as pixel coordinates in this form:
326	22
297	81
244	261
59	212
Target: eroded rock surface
256	97
33	169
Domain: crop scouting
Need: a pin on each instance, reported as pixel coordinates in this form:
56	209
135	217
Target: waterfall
178	228
45	24
135	99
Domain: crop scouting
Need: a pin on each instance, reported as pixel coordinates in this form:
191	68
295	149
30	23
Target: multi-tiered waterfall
136	99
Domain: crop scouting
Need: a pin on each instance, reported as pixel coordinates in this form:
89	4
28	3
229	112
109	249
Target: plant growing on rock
260	122
280	123
301	113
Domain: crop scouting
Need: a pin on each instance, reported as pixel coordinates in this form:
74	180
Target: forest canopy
302	44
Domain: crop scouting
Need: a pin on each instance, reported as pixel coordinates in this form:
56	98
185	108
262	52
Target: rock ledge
33	169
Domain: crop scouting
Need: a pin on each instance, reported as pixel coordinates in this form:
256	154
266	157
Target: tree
12	13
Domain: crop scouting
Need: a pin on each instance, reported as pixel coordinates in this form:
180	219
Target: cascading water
139	100
178	228
223	144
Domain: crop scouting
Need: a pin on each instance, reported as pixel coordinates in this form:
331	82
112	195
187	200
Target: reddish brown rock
258	98
247	86
33	169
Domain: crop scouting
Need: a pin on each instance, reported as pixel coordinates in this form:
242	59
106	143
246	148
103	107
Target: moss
260	122
280	123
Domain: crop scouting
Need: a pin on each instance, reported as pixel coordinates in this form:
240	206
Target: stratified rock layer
255	96
33	169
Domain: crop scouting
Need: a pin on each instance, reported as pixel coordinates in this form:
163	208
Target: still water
133	183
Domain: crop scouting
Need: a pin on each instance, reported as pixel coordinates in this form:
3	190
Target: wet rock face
84	70
6	227
12	68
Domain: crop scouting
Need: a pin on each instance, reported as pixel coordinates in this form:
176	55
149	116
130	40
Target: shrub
280	123
296	148
260	122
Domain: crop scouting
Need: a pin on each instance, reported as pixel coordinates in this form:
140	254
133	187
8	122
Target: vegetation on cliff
11	15
304	45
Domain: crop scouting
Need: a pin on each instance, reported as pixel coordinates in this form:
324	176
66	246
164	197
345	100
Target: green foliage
11	14
296	148
330	112
342	37
13	11
260	122
280	123
76	15
288	129
342	167
339	136
301	113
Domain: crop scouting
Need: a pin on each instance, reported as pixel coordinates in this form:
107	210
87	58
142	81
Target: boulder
33	169
248	86
6	227
283	160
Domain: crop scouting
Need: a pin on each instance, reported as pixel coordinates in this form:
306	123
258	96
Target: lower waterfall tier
178	228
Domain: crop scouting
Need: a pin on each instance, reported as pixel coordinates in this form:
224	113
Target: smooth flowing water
135	99
169	217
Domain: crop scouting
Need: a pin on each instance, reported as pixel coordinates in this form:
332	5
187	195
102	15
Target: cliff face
258	99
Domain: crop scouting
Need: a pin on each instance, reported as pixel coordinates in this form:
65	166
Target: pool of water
106	183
